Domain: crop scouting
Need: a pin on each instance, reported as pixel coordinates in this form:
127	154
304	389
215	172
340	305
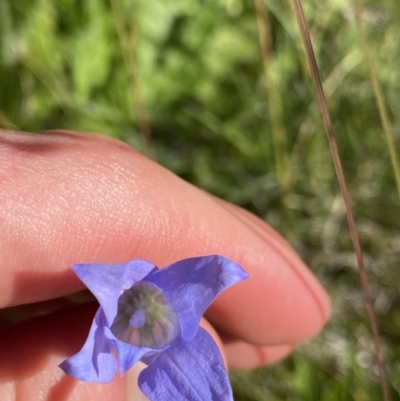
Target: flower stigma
144	318
138	319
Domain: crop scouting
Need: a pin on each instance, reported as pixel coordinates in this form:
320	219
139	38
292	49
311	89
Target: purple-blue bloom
153	315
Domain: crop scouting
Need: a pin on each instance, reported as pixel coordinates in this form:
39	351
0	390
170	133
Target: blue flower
153	315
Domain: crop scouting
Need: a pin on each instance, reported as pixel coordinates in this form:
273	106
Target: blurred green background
244	125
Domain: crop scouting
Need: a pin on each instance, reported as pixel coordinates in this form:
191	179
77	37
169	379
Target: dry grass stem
343	189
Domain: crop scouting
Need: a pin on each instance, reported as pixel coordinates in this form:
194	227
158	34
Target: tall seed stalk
343	189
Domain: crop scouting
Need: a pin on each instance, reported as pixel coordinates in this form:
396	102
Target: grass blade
129	39
380	101
275	99
343	189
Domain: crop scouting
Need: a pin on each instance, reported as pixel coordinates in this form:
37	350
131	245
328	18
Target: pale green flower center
144	318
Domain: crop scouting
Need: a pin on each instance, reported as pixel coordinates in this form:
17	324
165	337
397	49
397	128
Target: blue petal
94	362
190	286
187	371
107	281
128	354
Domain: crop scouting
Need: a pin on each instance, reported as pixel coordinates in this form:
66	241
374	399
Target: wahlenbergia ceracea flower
153	315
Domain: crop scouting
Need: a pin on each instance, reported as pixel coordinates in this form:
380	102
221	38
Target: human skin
77	198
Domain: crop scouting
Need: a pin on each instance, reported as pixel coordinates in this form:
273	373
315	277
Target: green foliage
197	69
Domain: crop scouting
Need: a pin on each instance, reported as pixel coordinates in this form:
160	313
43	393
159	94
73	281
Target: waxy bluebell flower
153	315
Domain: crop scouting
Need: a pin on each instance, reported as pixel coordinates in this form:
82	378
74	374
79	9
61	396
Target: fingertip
285	301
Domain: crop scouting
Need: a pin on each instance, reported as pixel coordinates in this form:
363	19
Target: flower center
144	318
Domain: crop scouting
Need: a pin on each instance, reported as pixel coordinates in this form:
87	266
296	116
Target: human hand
75	198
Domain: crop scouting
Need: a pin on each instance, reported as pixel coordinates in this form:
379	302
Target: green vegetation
196	69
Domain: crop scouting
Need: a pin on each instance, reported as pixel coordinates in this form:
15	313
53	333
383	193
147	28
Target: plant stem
343	189
274	99
129	42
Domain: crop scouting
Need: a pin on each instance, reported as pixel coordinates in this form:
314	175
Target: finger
80	198
286	256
